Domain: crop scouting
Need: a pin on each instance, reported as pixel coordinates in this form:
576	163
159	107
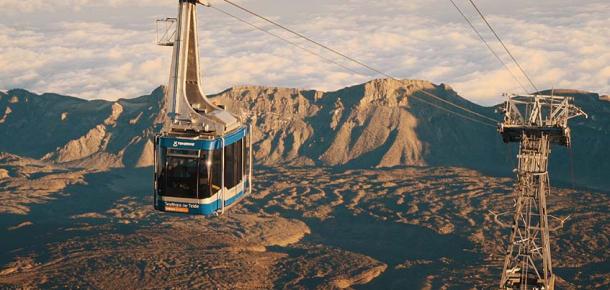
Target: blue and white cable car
203	154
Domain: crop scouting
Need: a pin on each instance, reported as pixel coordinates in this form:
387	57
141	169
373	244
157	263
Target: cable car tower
203	151
535	122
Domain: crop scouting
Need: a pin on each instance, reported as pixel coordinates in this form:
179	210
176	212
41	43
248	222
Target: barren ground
306	227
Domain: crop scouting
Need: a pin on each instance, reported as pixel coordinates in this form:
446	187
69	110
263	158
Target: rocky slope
381	123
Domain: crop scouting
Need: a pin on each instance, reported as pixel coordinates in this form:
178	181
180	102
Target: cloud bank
105	49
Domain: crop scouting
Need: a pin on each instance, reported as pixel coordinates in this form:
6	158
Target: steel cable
503	45
283	39
493	121
489	46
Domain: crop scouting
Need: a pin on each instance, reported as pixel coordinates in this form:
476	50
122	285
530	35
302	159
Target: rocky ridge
381	123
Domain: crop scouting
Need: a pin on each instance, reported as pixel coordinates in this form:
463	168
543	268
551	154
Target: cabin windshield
197	174
181	177
186	174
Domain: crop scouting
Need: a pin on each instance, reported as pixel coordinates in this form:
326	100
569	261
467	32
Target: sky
105	49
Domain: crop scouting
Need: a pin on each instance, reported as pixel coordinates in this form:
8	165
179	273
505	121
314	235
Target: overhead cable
307	38
503	45
283	39
489	46
494	121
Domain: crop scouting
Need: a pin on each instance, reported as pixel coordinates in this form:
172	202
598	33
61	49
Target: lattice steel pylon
536	122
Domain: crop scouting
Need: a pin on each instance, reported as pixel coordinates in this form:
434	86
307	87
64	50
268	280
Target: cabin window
229	166
234	166
238	170
244	157
205	163
216	171
160	172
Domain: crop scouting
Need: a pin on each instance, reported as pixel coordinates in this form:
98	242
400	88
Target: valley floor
307	227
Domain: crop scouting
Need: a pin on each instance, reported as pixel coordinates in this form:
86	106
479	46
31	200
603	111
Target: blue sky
105	49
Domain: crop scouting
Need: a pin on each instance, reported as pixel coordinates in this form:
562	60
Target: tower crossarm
540	110
536	114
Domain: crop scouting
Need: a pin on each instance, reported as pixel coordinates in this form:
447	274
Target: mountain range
382	123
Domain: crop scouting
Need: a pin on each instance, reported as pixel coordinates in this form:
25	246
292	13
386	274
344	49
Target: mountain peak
422	84
392	92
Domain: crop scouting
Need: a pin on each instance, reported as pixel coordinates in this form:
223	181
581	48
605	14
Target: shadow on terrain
53	221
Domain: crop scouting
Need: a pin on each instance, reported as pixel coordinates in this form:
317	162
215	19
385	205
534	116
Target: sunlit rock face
371	125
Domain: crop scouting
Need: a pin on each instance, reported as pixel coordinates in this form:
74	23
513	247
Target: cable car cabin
202	175
203	150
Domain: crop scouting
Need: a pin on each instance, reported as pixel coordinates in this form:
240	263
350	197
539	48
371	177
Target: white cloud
104	49
19	6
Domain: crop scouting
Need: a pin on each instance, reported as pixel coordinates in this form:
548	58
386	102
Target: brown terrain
359	188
